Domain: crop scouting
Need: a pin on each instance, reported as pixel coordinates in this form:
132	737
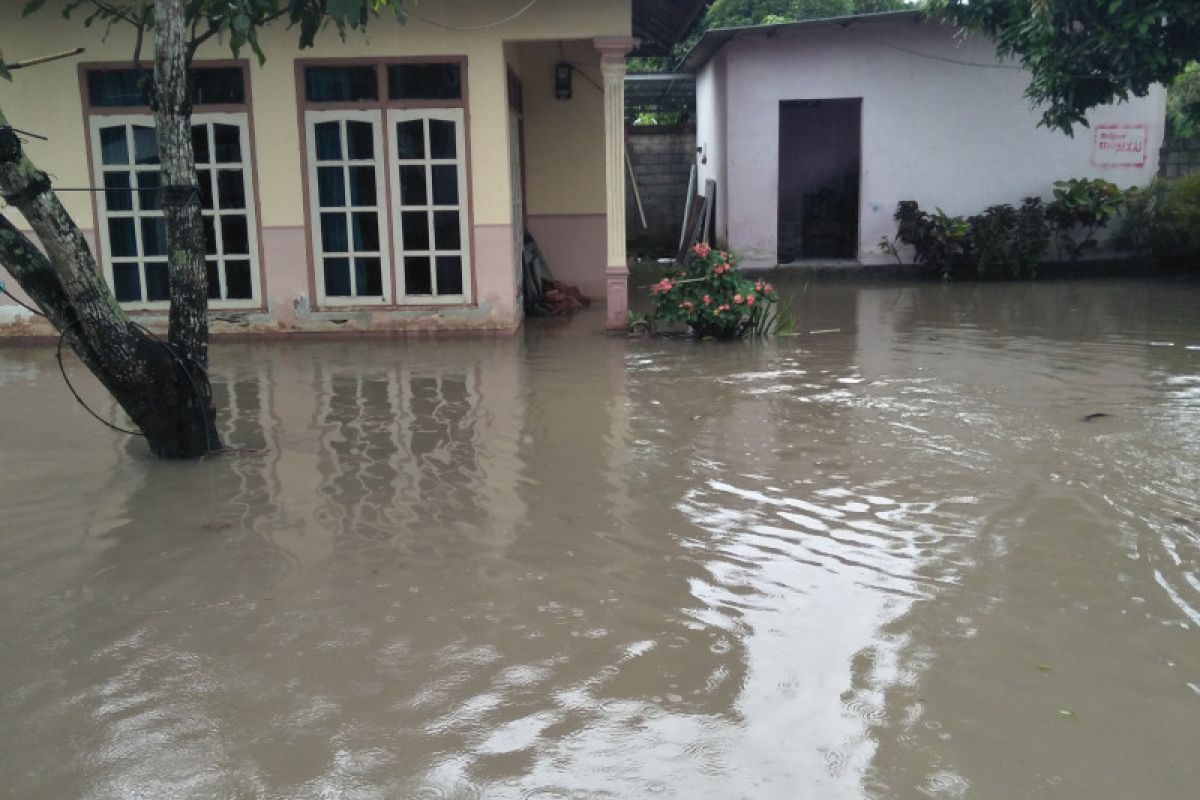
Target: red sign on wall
1120	145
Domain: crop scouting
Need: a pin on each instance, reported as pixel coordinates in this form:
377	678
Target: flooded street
949	547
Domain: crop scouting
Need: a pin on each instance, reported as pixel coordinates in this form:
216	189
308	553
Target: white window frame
239	119
460	161
313	117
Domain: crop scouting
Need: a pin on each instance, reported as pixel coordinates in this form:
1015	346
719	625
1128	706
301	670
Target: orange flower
759	285
708	299
702	250
737	299
750	299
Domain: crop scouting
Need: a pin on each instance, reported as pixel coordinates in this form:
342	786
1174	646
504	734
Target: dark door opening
820	157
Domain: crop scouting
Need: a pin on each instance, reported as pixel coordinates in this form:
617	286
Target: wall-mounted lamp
562	80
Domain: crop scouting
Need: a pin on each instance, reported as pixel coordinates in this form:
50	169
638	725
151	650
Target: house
815	130
378	183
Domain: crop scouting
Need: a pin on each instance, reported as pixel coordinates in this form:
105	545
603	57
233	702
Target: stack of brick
1180	157
662	159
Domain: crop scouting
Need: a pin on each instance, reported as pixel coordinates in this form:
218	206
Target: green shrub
1080	208
713	298
1162	221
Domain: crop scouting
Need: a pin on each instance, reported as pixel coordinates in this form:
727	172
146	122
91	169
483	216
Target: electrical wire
932	56
467	28
18	301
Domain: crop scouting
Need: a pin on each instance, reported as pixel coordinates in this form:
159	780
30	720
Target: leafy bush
713	298
1082	206
1163	221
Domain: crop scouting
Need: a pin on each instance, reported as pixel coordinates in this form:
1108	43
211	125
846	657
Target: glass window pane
412	186
127	282
437	81
227	141
446	230
218	86
238	285
334	238
214	280
362	186
113	147
154	236
445	185
368	277
331	188
116	87
210	236
410	139
204	179
340	84
366	231
449	275
122	240
360	141
231	189
337	277
117	198
414	227
200	143
145	145
157	282
329	141
442	139
417	278
149	195
235	238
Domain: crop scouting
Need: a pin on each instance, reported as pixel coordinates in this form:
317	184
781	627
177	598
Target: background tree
1085	53
161	385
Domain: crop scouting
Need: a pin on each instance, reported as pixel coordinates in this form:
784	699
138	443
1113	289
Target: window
380	169
131	222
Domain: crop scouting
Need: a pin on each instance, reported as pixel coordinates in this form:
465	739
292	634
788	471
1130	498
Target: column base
616	309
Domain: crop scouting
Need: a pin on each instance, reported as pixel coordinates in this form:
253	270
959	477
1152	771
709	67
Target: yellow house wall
566	160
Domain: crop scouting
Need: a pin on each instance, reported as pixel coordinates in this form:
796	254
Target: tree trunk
161	391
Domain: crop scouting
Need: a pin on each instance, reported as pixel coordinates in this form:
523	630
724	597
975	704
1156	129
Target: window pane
204	178
368	277
449	275
333	233
157	282
446	230
227	143
116	87
360	141
154	236
213	280
414	227
113	148
412	186
410	139
118	198
218	86
340	84
234	236
231	190
237	280
121	238
362	186
210	236
331	189
337	277
425	81
149	195
442	139
366	231
329	141
200	143
417	279
127	283
145	145
445	185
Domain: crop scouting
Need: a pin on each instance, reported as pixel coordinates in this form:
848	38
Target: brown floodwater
897	558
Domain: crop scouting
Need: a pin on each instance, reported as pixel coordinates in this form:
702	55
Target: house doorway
820	159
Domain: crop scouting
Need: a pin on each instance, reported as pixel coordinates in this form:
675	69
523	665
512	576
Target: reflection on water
894	560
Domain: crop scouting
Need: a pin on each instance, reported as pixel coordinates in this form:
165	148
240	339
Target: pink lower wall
575	247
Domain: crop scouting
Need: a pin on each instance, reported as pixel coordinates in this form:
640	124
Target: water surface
898	558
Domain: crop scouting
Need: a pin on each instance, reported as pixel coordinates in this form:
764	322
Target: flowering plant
712	297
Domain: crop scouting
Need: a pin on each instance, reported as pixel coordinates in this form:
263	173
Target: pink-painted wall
574	246
945	134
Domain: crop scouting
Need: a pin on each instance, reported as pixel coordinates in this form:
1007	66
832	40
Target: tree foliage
1086	53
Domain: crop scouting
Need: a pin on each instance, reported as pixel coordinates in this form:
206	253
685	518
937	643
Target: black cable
61	368
16	300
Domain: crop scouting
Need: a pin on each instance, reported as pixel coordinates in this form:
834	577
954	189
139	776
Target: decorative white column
612	64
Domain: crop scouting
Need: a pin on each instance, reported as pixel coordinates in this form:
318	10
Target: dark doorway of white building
820	155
